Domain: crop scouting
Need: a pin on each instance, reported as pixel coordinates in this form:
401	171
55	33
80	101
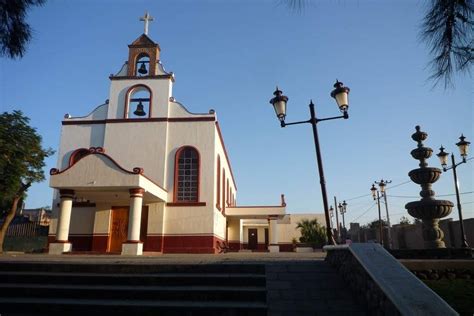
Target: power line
364	195
439	195
365	212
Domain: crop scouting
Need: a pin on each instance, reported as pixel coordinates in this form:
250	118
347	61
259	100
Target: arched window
186	180
142	66
223	190
218	183
138	102
228	193
77	155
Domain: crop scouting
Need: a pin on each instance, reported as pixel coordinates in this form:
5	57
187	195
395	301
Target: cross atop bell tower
144	53
146	18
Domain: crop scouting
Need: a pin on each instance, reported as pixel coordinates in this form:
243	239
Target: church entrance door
253	239
118	228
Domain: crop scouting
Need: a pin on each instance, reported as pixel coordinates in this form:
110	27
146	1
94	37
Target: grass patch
458	293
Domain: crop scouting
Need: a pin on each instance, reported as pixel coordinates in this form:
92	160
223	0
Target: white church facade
142	173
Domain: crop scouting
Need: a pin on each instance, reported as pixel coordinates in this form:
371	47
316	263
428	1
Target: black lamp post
382	184
376	196
331	215
342	209
340	93
463	146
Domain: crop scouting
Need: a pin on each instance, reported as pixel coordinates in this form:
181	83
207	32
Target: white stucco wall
286	232
78	136
140	144
161	92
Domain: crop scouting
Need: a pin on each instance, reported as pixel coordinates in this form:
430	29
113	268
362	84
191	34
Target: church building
141	172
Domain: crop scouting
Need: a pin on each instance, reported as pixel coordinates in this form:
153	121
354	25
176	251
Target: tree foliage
312	232
404	221
15	33
21	163
448	28
375	224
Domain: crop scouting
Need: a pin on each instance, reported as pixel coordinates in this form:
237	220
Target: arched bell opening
142	65
138	102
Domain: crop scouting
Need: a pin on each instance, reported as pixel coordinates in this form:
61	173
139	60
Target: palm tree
448	28
14	32
312	232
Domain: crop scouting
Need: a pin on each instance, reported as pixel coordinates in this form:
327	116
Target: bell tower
143	54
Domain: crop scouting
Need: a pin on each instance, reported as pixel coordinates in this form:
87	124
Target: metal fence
28	229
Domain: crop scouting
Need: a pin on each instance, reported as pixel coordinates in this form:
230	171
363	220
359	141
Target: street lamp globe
443	156
344	205
279	104
341	94
463	146
373	189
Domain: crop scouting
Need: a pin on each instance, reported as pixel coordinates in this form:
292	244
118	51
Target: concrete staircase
132	289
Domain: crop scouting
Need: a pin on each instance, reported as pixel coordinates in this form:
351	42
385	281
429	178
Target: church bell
139	111
142	69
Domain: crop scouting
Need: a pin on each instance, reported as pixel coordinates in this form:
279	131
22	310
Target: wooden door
253	238
118	229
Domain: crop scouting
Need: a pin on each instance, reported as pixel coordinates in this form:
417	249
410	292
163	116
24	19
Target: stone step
45	306
156	293
112	268
176	279
129	289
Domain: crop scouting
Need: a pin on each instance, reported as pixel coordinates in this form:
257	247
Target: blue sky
229	56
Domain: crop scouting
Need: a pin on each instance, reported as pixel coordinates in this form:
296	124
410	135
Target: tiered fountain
428	209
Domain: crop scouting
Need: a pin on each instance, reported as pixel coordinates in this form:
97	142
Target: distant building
40	216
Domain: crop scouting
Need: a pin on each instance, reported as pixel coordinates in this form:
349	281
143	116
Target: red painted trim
286	247
80	204
153	243
81	242
225	153
186	204
127	99
133	242
175	184
100	242
142	77
77	155
258	206
62	241
66	193
136	192
190	244
218	183
142	120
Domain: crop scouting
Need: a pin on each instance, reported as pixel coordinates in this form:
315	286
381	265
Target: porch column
62	231
133	245
273	232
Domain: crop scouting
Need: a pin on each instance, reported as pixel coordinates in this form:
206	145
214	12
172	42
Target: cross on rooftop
147	18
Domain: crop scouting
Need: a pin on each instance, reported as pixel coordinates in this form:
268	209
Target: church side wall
220	220
190	228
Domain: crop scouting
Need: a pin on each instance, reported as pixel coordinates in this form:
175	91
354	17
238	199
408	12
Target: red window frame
176	174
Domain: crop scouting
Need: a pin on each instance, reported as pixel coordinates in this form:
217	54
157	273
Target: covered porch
97	178
254	228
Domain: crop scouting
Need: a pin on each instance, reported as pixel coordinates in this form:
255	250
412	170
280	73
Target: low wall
386	287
